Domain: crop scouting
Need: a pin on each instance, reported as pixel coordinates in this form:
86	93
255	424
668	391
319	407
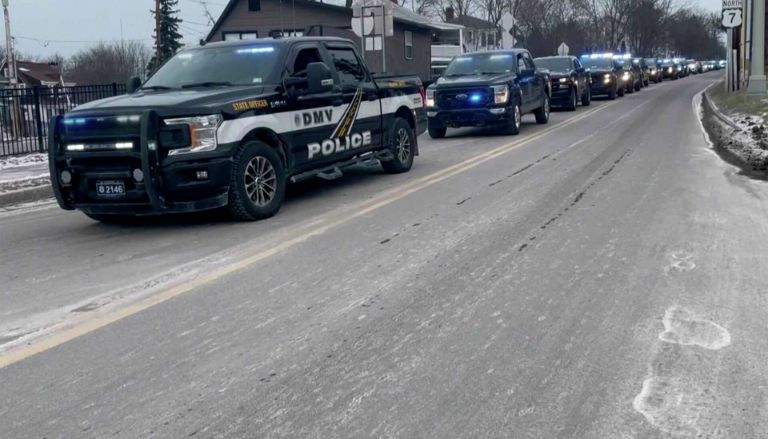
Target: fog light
202	175
138	175
66	178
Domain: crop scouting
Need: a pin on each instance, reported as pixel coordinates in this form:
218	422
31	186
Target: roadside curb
728	140
27	195
719	114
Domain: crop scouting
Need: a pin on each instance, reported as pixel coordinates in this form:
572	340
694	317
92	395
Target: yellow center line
314	227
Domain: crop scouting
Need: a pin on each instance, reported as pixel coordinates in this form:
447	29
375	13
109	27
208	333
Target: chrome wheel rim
403	145
546	107
518	117
260	181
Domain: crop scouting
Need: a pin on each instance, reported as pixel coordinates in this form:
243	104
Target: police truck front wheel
436	132
403	146
257	182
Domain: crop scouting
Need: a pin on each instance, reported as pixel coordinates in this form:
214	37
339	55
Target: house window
280	33
408	44
254	5
234	36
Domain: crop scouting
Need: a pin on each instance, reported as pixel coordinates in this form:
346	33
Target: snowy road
599	277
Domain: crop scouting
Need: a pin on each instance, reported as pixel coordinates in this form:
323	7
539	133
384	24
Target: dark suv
488	89
634	81
605	73
570	81
655	72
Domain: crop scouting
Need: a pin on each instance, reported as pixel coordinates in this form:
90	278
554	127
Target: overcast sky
45	27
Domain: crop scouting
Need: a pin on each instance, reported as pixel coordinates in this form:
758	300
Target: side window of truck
345	62
303	58
520	63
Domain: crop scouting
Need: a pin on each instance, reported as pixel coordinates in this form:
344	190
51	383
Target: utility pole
757	82
10	59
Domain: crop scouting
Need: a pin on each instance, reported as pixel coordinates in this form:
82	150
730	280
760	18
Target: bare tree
109	62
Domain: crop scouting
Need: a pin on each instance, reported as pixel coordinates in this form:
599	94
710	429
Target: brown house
407	51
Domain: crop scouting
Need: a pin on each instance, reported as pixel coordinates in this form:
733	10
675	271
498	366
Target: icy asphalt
601	277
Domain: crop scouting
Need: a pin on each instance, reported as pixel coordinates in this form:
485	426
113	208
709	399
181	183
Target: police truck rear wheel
403	143
586	99
542	114
257	182
573	102
437	132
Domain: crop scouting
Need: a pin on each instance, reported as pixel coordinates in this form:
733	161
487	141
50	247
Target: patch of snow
22	160
25	183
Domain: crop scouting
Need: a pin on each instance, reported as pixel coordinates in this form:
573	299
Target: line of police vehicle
229	125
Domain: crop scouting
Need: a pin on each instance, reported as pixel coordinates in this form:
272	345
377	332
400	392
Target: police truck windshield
598	63
481	63
217	66
554	64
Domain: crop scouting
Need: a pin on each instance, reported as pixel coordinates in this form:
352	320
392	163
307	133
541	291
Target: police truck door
360	127
313	116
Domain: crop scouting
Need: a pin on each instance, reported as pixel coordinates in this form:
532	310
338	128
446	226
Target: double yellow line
86	323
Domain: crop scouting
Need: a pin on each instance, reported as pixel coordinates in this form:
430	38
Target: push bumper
602	88
561	95
474	117
167	184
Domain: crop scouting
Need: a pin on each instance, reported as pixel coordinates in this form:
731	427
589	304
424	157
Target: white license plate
110	189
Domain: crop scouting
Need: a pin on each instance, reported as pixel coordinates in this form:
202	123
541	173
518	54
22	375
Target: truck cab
493	88
229	125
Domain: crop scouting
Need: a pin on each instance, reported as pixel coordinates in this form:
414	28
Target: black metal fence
25	113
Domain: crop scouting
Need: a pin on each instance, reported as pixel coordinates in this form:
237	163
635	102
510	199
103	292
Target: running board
332	172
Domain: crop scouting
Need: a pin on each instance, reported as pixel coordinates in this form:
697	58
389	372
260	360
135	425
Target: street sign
507	23
731	18
732	4
563	49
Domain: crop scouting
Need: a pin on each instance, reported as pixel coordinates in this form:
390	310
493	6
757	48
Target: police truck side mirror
133	84
319	78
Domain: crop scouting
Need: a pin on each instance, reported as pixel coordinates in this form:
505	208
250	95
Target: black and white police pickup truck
231	124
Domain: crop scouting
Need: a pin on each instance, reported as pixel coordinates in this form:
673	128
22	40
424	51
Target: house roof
472	22
399	14
36	72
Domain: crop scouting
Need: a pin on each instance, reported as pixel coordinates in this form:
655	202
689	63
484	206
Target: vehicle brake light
423	94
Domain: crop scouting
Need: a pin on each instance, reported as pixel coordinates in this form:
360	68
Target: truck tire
621	91
586	98
257	182
573	101
612	94
436	132
542	113
513	126
403	142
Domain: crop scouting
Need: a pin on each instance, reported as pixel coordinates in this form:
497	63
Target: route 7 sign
731	18
732	13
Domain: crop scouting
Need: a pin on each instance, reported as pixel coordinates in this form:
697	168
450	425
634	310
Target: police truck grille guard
142	197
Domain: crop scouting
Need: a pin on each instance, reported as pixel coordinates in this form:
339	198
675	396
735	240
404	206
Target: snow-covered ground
23	172
744	135
22	161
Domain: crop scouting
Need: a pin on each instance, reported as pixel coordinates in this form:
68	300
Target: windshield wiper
156	87
207	84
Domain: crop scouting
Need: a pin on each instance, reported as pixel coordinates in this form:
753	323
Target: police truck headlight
564	80
500	94
430	98
625	77
202	133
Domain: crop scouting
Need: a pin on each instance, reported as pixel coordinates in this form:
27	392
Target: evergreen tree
167	36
